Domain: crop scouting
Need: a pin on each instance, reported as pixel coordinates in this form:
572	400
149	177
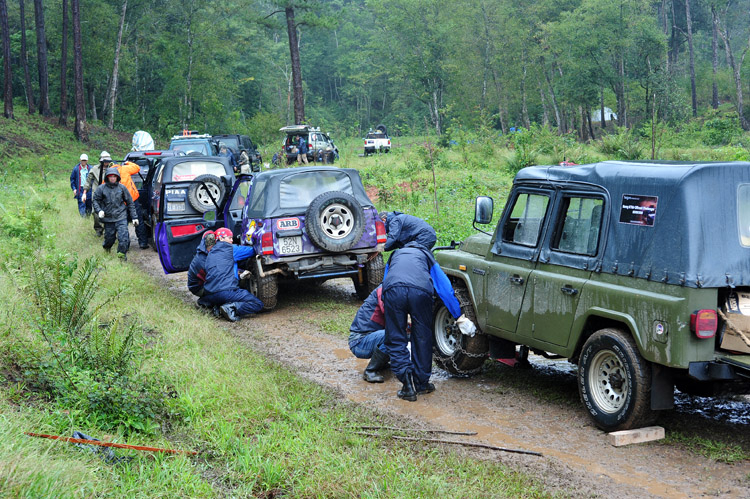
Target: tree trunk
692	57
714	57
524	109
555	106
588	121
116	68
545	116
92	101
8	75
80	129
601	108
189	78
299	101
736	72
25	62
41	50
64	66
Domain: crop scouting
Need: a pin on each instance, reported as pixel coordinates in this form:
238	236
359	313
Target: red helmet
223	232
207	233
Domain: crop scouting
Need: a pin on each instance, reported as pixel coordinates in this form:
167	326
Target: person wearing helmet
112	202
94	179
222	288
77	181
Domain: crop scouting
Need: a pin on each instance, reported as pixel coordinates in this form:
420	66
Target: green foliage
264	128
525	151
721	131
623	144
86	366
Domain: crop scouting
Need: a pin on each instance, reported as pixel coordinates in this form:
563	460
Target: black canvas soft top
274	193
695	239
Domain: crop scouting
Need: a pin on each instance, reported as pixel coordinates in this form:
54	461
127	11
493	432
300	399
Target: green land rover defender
638	272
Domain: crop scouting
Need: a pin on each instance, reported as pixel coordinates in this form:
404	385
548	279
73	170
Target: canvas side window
579	226
526	219
743	213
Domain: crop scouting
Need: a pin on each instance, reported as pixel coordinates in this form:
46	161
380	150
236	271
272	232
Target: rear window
230	142
191	147
191	169
297	191
375	136
743	213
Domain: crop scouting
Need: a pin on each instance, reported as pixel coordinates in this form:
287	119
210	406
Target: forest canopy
224	66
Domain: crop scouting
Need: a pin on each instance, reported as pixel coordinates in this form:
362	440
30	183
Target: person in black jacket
222	287
113	203
196	277
402	229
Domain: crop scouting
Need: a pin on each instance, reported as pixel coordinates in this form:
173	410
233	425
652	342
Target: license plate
175	207
290	245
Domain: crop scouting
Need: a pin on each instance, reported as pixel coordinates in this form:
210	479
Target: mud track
577	458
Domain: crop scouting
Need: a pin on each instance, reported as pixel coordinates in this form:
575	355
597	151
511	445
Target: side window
526	219
743	213
579	226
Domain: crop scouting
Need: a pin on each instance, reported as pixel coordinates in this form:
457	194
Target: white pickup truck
377	141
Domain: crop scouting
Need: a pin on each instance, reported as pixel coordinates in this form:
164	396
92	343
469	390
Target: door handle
568	290
516	279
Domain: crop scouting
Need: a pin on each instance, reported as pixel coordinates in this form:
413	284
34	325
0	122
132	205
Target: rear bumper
724	368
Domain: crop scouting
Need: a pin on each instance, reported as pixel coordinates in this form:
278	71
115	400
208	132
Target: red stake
110	444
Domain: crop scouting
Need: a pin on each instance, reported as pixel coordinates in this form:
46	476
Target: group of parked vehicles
637	272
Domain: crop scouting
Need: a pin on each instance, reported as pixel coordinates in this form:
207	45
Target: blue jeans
243	299
367	344
401	301
84	209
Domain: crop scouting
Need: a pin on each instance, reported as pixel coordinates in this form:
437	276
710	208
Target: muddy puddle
577	459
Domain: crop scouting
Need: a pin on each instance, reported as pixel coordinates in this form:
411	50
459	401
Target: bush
721	131
84	365
524	151
623	144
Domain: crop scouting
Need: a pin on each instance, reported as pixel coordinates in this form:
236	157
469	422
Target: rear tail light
152	154
365	142
389	142
380	231
266	243
704	323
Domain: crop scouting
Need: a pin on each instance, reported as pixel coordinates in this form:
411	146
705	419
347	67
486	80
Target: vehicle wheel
331	158
614	381
152	239
198	194
334	221
453	351
373	273
265	288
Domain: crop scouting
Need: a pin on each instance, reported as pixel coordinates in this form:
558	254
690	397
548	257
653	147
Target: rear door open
177	238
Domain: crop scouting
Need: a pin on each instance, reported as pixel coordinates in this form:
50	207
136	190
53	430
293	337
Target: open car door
178	238
235	205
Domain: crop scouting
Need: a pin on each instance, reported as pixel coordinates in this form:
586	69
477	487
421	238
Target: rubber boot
408	392
378	361
428	388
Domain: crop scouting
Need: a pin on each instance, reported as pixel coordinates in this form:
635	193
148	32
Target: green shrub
623	144
524	151
721	131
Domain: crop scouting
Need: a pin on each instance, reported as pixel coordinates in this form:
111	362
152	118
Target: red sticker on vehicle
287	223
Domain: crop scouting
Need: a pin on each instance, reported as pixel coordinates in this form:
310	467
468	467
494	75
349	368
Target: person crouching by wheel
412	277
222	288
196	277
367	334
113	204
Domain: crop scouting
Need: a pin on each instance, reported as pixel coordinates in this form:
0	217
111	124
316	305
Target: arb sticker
638	210
287	223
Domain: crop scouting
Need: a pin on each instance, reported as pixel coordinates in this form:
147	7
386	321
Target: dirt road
576	457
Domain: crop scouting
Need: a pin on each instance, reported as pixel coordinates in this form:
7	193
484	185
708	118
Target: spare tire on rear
334	221
198	194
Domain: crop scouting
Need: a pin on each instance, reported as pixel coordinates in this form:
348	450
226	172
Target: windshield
297	191
191	147
375	135
191	169
230	142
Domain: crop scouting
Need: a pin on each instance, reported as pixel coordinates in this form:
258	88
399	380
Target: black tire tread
459	363
312	226
193	192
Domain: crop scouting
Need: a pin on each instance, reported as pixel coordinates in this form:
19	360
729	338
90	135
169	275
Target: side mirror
209	216
483	208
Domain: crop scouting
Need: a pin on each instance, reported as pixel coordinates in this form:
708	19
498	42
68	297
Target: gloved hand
466	326
135	222
101	213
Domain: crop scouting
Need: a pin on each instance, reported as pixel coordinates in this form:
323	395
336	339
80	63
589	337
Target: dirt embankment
576	455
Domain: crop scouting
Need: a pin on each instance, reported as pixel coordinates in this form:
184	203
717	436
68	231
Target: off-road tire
198	196
152	230
323	213
265	288
614	381
453	351
373	274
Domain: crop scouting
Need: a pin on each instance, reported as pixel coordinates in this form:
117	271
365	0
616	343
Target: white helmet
84	157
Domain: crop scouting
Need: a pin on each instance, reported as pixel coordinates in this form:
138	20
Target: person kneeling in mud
367	334
222	287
